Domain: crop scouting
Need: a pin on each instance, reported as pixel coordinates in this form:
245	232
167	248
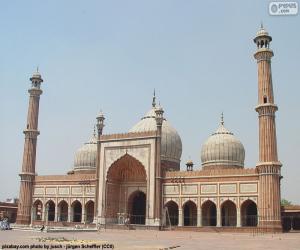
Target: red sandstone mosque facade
135	177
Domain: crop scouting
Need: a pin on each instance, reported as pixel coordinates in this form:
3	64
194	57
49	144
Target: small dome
171	146
262	32
85	157
36	75
222	149
189	162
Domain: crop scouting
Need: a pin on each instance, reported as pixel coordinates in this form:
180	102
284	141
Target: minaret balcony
266	109
31	133
263	54
35	91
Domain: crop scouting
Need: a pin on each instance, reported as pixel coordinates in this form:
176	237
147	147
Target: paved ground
146	240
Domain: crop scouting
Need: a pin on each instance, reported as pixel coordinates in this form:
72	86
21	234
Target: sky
110	55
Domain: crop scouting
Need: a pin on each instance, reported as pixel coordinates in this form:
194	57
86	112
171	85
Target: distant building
9	210
136	176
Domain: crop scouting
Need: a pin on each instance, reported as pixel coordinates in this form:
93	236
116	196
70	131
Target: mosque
135	177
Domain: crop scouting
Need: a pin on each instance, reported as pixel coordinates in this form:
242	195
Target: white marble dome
85	156
222	149
171	146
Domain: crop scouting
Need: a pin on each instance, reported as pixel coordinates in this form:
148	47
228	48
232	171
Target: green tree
285	202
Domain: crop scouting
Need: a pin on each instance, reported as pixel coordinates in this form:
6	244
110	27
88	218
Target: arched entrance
172	213
249	214
63	211
190	214
50	210
137	207
37	210
124	174
76	211
209	214
89	209
228	214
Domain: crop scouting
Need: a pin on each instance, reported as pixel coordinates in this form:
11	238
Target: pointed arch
126	168
189	213
89	210
63	210
50	210
137	207
249	213
76	209
228	213
209	213
172	213
38	210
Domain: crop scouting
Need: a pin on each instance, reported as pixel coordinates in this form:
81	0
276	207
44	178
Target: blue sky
110	55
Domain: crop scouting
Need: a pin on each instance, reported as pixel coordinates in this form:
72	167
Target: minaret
158	199
29	155
268	166
100	125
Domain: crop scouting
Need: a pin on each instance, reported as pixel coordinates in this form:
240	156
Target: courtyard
141	239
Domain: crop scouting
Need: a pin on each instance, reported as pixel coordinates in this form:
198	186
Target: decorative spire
261	24
37	69
159	115
100	123
154	100
222	118
94	134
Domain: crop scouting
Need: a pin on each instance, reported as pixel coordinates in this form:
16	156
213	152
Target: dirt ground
146	240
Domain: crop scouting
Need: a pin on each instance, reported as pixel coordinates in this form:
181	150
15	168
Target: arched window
265	99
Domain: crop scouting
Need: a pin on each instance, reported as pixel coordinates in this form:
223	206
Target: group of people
4	224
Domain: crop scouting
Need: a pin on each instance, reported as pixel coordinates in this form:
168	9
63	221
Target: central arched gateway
126	191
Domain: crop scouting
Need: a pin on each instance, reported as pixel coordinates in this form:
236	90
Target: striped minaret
159	112
268	166
29	155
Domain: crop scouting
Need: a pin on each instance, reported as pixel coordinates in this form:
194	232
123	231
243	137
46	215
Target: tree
285	202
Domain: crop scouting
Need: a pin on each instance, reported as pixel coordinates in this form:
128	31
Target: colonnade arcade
63	211
209	214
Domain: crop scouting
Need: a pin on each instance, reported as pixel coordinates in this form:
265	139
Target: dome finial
261	24
94	130
154	99
222	118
